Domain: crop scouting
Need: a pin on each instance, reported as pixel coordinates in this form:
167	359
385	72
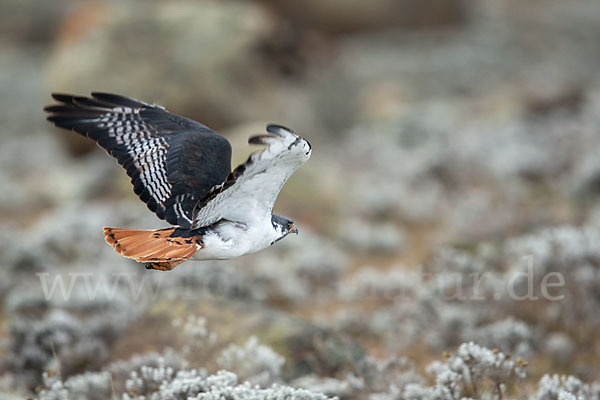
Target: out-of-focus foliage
455	168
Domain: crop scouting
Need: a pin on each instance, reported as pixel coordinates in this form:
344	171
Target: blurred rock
31	21
197	59
544	99
337	16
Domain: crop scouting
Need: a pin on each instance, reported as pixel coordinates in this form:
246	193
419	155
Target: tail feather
158	248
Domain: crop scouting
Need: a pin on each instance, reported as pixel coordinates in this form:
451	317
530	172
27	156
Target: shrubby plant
159	381
254	362
459	184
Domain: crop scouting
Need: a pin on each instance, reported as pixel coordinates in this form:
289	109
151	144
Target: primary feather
173	161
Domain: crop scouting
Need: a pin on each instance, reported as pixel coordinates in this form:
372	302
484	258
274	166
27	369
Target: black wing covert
173	161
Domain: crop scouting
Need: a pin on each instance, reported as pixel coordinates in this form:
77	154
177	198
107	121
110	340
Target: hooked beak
293	229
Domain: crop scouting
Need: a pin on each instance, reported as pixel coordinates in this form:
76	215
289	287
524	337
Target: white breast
230	240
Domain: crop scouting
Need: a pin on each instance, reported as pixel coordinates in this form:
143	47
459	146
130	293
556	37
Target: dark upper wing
173	161
249	192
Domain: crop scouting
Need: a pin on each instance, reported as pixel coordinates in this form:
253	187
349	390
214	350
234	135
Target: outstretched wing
249	192
173	161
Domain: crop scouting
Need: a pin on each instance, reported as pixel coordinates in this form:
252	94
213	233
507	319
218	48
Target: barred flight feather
172	161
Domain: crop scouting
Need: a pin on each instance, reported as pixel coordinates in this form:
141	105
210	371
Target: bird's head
283	226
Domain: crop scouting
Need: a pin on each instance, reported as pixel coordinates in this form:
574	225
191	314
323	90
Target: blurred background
451	140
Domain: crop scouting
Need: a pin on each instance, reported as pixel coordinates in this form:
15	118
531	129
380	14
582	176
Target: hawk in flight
181	169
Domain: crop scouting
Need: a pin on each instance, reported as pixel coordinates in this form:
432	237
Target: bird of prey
181	169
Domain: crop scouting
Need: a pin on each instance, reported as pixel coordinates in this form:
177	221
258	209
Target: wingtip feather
260	139
275	131
62	97
117	99
280	130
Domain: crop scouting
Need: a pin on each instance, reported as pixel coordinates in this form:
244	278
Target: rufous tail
158	249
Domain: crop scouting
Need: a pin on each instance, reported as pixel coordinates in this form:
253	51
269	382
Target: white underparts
231	239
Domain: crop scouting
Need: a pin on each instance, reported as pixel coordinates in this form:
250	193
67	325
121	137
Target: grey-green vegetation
449	217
